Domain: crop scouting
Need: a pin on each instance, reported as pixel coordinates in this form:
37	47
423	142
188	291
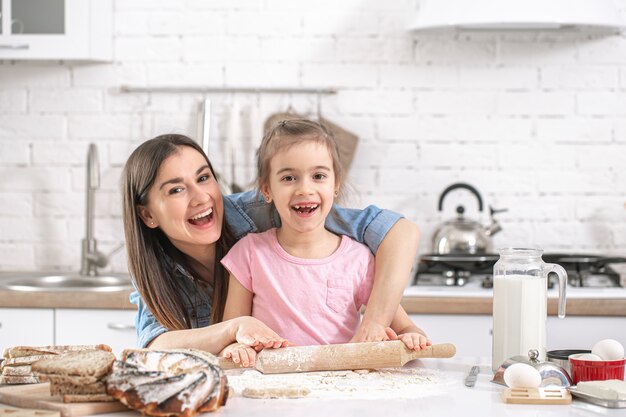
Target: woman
178	226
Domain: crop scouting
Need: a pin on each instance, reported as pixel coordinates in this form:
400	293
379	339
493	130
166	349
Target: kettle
462	235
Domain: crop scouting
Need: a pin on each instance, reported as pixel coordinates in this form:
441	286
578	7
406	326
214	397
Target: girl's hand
254	333
240	353
415	341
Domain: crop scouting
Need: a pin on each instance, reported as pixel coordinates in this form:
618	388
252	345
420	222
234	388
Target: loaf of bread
21	351
16	366
181	382
90	363
77	375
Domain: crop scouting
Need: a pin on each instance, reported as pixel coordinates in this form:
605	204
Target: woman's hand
240	353
254	333
370	332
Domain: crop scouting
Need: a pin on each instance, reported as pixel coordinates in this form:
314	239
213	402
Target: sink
55	282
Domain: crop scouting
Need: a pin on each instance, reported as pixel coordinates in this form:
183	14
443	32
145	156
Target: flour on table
375	384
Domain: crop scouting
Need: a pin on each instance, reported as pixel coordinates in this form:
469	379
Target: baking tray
597	400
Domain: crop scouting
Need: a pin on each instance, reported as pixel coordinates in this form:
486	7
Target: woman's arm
394	260
216	337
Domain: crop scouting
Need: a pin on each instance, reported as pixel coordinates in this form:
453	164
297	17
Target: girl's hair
287	133
152	272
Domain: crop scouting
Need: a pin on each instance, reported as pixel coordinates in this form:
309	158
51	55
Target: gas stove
459	270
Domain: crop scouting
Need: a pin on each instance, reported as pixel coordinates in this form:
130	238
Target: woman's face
185	201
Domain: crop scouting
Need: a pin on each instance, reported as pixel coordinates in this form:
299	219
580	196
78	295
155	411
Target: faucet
91	258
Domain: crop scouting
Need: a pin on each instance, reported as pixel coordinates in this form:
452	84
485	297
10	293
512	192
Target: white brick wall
536	121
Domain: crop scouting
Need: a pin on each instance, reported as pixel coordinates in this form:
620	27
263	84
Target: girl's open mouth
305	208
202	218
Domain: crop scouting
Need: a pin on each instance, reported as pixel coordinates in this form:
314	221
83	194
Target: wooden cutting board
38	396
23	412
536	396
346	356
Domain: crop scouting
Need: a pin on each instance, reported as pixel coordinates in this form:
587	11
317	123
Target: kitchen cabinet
56	29
115	328
26	326
580	332
471	334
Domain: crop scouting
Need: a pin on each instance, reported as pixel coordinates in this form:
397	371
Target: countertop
470	299
452	398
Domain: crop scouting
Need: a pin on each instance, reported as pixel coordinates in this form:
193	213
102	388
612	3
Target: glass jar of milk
520	299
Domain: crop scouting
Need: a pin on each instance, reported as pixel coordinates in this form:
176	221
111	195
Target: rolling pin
347	356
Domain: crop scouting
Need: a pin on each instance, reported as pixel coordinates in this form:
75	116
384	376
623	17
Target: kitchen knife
470	379
347	356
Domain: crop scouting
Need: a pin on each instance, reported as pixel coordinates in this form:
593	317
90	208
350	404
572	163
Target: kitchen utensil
520	301
551	374
27	412
462	235
38	396
470	379
347	356
465	262
536	396
346	142
561	357
597	400
595	261
585	370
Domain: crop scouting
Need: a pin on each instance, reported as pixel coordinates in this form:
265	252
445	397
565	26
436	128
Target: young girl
303	281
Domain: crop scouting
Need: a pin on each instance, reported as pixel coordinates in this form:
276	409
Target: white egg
608	350
588	357
521	375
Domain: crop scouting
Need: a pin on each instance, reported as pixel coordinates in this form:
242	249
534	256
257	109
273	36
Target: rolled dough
283	392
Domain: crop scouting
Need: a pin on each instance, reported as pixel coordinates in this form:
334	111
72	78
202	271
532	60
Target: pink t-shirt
306	301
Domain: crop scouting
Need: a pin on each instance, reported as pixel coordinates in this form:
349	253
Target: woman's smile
202	219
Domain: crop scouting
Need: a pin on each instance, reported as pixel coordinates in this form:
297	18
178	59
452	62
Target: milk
519	316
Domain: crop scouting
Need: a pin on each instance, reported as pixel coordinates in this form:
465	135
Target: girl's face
302	186
185	201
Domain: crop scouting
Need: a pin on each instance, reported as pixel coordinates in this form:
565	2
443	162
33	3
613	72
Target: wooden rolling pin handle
227	363
443	350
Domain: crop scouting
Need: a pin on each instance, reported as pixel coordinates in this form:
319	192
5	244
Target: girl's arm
238	301
238	304
394	261
403	328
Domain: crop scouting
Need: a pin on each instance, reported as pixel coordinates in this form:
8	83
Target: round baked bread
181	382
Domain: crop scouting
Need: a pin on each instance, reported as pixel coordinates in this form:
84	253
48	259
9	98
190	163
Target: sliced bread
19	351
24	360
61	388
23	370
87	398
94	363
68	379
14	380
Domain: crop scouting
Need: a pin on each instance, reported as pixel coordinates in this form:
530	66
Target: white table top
452	399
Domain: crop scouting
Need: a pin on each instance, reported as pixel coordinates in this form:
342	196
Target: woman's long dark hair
152	273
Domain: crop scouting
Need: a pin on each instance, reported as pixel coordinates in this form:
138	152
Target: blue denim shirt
249	213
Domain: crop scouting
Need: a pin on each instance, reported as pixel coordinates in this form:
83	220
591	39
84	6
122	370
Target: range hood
518	15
